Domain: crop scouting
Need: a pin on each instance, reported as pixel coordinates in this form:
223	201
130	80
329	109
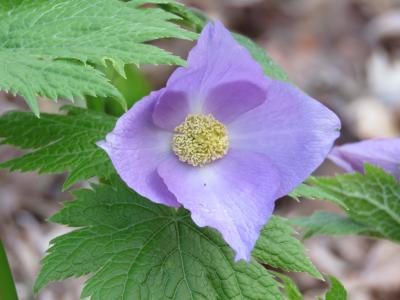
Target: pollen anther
200	139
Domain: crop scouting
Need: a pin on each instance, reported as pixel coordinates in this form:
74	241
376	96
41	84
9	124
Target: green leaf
189	16
290	288
28	77
371	200
47	46
312	192
337	290
278	248
7	284
59	143
135	249
138	3
329	223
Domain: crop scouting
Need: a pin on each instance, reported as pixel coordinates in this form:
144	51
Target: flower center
200	140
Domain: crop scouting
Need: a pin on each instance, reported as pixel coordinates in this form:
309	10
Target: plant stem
7	286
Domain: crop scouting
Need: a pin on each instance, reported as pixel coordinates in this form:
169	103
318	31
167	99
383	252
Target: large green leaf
46	45
59	143
135	249
371	200
278	248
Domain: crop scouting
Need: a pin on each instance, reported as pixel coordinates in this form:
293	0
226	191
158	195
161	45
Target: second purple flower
222	139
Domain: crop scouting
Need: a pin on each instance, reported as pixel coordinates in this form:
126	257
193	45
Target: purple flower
384	153
222	139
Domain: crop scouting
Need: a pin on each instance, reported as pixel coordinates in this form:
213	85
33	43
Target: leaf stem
7	286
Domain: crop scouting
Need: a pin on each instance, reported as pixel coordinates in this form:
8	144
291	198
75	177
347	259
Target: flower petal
228	101
345	160
170	110
136	147
384	153
234	195
218	59
293	130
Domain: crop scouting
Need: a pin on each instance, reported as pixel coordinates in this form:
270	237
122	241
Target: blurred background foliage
133	77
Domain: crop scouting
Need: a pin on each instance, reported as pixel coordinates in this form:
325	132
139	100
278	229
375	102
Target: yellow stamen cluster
200	140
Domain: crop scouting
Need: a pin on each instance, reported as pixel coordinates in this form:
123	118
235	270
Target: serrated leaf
329	223
135	249
59	143
53	79
189	16
45	46
336	291
278	248
371	199
290	288
311	192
